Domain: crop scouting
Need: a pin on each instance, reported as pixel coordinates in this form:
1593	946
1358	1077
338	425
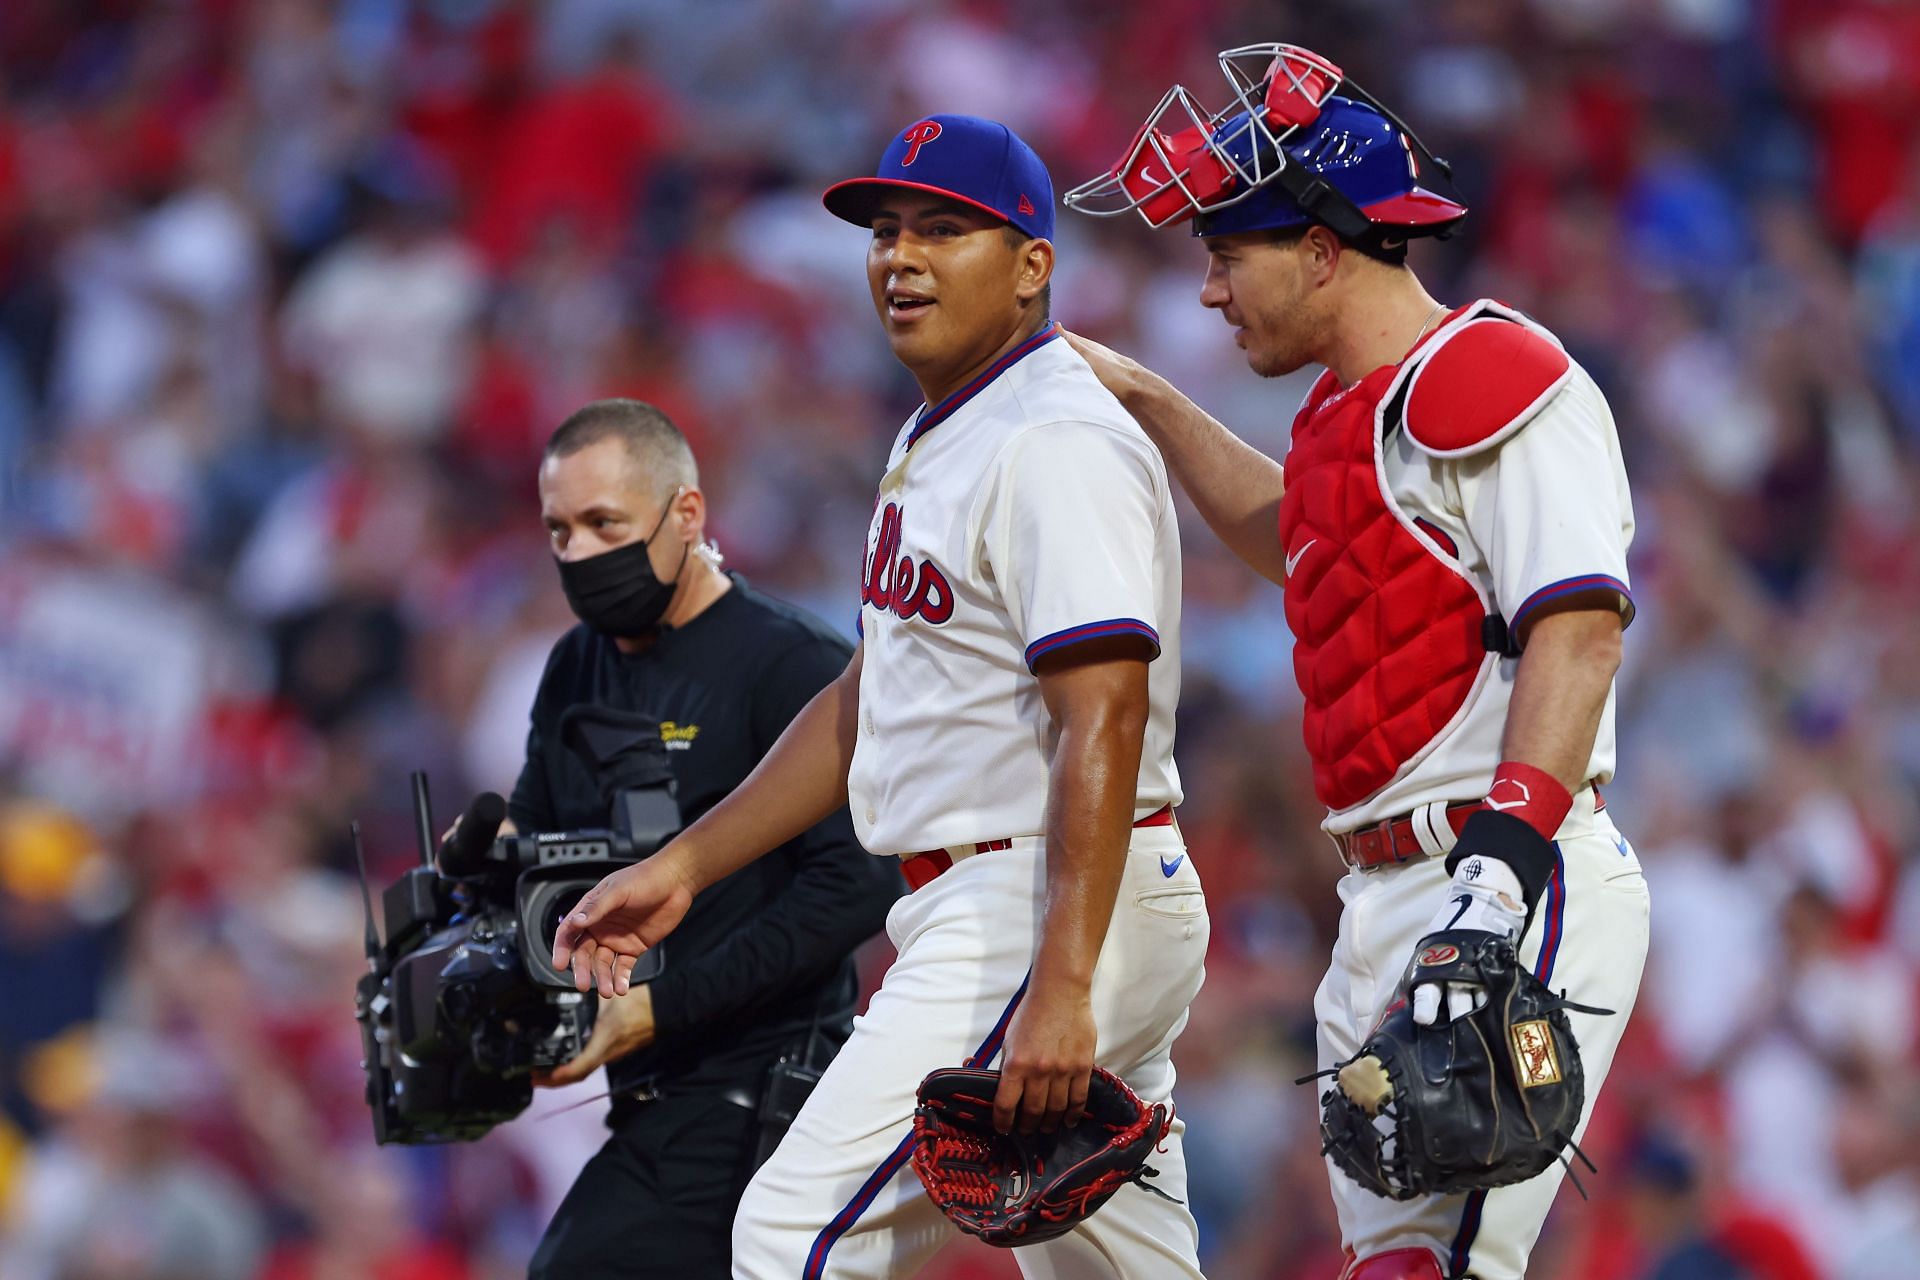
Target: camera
461	1001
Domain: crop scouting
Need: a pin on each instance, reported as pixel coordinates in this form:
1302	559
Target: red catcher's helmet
1301	143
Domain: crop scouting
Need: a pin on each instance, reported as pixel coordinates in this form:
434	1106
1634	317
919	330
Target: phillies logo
890	582
917	137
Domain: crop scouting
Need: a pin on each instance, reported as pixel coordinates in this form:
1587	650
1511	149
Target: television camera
461	1002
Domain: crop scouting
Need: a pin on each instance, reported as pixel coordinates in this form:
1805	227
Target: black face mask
617	592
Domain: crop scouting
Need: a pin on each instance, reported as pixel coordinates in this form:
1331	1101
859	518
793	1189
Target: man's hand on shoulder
623	1025
1124	376
621	917
1235	487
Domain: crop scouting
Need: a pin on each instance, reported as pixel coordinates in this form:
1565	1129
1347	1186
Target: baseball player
1005	728
1450	528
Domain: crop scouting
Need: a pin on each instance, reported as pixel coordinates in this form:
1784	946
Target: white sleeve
1069	532
1549	509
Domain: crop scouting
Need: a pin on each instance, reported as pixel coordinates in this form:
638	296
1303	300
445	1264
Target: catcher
1450	528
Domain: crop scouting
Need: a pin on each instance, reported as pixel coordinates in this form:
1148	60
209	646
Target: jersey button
872	817
869	722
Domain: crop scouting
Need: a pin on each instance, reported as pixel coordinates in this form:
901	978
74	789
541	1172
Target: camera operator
763	965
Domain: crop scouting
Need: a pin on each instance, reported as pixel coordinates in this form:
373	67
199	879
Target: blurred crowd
291	291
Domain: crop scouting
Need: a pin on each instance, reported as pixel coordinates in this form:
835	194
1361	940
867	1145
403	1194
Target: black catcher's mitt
1013	1188
1484	1100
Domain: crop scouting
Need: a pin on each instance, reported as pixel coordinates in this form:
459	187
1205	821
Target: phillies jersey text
1025	513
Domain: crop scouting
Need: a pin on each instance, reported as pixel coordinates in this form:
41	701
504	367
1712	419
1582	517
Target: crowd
292	290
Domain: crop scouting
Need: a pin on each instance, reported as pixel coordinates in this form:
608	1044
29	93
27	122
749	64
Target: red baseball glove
1013	1188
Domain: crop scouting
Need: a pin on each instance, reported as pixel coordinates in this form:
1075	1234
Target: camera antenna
423	817
366	898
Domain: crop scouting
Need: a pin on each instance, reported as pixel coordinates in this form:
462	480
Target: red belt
923	868
1393	840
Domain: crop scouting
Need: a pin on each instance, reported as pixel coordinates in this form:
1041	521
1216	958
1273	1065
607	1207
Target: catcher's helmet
1302	143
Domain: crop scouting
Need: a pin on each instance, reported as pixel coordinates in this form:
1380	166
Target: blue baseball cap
978	162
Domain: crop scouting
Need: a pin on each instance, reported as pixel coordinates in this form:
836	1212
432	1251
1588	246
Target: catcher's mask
1301	143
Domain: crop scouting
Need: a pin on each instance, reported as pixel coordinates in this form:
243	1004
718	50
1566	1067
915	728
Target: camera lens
541	904
553	906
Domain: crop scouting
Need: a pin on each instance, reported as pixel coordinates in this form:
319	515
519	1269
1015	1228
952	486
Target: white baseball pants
1588	938
838	1198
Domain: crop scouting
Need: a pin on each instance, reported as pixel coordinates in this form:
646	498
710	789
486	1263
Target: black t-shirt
766	951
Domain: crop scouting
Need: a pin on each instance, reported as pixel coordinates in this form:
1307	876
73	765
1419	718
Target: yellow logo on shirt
678	737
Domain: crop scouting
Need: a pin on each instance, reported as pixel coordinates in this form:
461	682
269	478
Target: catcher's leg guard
1396	1264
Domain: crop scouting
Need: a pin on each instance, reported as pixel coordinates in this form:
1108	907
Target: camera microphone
465	851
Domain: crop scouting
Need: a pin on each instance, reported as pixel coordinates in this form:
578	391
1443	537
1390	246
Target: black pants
657	1201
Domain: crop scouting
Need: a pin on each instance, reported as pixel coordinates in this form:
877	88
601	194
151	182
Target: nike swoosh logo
1168	868
1294	559
1146	176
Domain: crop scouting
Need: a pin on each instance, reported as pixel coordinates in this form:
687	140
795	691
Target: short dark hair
1381	245
658	447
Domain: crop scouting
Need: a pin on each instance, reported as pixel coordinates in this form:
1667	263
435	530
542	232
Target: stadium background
290	292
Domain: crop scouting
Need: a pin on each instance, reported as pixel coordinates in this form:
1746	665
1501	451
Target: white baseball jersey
1544	514
1024	513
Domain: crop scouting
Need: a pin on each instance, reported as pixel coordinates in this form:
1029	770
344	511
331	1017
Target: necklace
1439	309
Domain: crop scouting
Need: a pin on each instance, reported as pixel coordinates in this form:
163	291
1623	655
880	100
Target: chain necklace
1439	309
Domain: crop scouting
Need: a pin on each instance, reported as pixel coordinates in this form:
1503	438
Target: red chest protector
1391	636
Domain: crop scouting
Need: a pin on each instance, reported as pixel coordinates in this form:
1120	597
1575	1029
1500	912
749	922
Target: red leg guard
1396	1264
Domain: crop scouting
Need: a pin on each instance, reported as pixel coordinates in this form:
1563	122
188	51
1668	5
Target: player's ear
1320	249
1036	270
